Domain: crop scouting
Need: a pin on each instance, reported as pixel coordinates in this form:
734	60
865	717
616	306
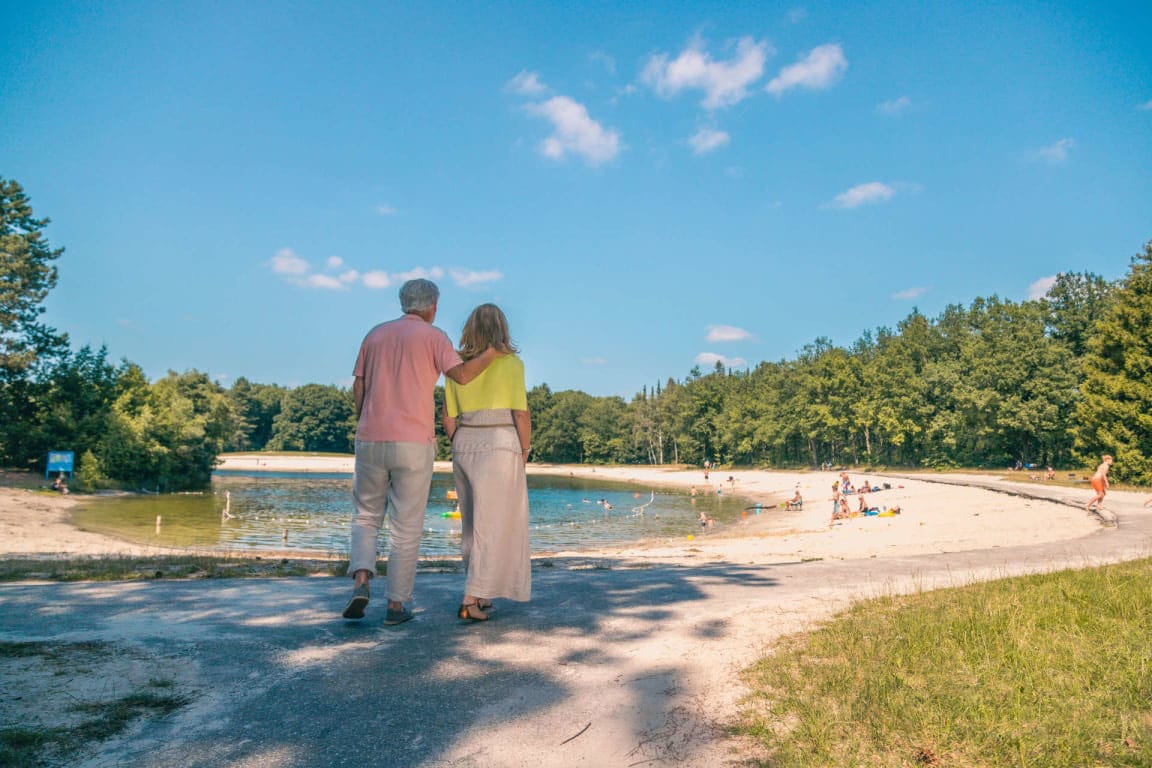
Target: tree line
1054	381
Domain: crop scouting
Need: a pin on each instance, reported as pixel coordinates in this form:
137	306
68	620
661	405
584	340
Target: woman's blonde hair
485	327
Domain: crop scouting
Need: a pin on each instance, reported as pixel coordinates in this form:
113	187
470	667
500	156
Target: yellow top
501	385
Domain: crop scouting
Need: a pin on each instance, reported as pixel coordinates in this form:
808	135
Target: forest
1055	381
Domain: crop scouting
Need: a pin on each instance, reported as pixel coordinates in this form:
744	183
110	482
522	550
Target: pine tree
1115	413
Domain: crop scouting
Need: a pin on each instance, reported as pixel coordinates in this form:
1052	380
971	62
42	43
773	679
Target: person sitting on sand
796	502
1099	484
60	484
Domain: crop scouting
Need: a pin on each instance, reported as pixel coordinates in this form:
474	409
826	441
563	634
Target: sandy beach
637	650
938	513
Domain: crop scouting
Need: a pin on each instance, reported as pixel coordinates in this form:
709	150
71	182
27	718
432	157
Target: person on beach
393	390
1099	483
491	432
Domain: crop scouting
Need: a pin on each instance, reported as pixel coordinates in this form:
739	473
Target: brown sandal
471	612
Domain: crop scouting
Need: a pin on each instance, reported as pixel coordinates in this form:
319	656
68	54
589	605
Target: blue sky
643	187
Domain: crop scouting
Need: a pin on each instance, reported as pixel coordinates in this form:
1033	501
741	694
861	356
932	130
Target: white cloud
1146	106
820	69
909	294
467	277
286	262
863	194
1040	288
419	273
894	106
334	262
349	276
726	333
724	82
526	84
376	279
574	131
384	209
707	139
1057	152
593	361
711	358
327	282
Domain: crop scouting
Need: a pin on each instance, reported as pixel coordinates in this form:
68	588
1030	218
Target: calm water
314	511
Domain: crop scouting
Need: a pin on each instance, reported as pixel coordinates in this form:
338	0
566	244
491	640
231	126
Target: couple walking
486	418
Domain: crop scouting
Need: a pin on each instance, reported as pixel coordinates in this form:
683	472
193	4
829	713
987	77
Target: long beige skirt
488	467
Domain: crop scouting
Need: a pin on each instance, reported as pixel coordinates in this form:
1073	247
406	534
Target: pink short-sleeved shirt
400	362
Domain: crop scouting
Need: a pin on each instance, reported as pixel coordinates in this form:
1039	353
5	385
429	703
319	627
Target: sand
935	517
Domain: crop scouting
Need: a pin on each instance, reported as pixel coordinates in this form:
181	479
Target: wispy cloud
469	277
820	69
384	209
909	294
1146	106
711	358
418	273
707	140
575	132
603	59
863	194
797	15
286	262
895	106
1040	288
297	271
726	333
325	282
376	279
724	82
1057	152
526	84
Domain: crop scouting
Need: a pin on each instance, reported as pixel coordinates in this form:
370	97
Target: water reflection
312	512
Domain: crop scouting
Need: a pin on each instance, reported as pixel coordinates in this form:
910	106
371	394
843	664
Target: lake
311	513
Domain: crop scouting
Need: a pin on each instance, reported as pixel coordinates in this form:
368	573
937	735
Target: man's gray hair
418	295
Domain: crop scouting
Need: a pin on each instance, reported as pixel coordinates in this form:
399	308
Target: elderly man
395	378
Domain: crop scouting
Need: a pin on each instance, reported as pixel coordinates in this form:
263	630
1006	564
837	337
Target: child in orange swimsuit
1100	483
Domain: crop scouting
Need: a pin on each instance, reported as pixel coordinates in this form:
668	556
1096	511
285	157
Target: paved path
609	665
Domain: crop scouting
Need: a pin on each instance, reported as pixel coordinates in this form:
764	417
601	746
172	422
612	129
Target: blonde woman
488	422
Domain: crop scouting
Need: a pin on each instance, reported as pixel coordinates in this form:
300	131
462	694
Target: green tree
1115	412
1073	306
27	274
314	417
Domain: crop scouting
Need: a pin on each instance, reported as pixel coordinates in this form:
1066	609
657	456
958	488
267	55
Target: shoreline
944	513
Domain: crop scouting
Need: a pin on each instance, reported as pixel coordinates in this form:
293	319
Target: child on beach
1099	484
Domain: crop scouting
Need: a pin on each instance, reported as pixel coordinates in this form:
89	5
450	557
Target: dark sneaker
397	617
358	603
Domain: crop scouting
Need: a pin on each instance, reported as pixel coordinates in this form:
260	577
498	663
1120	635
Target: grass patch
1046	670
120	568
32	748
29	746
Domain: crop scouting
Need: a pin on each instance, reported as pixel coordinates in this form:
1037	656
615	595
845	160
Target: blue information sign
60	461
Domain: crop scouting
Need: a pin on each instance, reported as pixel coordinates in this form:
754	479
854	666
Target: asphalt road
610	664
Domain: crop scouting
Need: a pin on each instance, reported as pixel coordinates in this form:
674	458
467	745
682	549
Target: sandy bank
935	517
